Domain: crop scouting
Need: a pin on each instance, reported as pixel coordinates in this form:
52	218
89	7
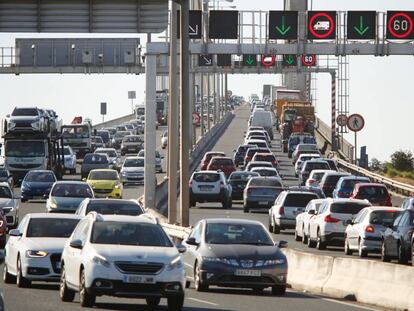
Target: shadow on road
249	292
126	307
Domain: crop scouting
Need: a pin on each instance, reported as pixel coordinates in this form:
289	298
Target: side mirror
192	241
7	115
15	232
282	244
181	248
83	179
2	257
312	212
76	244
349	222
234	150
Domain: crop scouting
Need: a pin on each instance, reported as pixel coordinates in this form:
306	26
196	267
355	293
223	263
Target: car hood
251	252
67	201
133	169
103	183
4	202
133	253
46	244
24	118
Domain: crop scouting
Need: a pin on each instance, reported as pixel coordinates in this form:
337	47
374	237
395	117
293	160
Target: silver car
9	205
132	170
158	159
364	233
114	157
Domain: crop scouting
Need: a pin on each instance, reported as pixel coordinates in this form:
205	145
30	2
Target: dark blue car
37	184
295	140
345	186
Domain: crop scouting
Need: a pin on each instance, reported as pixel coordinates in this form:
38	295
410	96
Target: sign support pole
356	149
333	112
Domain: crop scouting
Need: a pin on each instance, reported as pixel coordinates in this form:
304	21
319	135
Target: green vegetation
400	167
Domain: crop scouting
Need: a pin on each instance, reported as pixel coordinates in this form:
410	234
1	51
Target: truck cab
78	137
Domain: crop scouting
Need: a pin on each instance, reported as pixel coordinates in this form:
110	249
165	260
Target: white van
264	119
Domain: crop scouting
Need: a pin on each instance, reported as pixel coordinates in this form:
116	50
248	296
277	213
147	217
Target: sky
380	87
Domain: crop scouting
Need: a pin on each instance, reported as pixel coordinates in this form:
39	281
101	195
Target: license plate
206	188
263	203
139	279
243	272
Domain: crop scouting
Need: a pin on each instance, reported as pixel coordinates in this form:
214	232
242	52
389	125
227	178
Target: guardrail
114	122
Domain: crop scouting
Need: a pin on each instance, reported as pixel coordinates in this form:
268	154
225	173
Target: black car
397	240
238	181
240	152
5	176
234	253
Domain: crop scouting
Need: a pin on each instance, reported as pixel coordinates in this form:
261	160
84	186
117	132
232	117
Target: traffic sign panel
268	60
224	24
355	122
205	60
249	60
308	60
283	25
290	60
321	25
224	60
361	25
400	25
342	120
195	26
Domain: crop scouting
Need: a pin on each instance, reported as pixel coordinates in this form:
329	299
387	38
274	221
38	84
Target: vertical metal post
202	104
172	117
226	91
214	99
150	132
208	102
356	150
193	98
333	112
185	114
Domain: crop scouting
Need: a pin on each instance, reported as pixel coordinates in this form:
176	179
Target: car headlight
231	262
101	260
53	205
124	174
36	254
35	124
118	185
175	263
11	125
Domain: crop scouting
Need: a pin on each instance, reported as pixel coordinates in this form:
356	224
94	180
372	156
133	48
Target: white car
164	140
9	205
315	177
328	226
303	219
122	256
70	159
34	249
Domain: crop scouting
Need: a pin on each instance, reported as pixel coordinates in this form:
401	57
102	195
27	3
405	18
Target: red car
376	194
224	164
207	157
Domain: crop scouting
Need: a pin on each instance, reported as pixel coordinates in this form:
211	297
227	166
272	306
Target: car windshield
265	172
104	134
26	149
299	199
40	177
265	182
103	175
72	190
132	139
373	192
350	183
81	131
111	208
142	154
5	193
51	227
97	139
385	218
134	162
233	233
332	179
222	162
66	151
95	159
347	207
129	233
110	153
24	112
206	177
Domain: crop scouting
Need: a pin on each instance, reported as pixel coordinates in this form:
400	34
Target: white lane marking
203	301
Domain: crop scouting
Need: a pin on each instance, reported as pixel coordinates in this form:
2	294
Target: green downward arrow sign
289	60
249	60
361	30
283	29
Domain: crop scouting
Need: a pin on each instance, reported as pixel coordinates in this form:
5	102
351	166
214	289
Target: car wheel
304	237
73	172
270	225
347	250
7	277
198	282
258	290
86	299
278	290
245	209
402	258
23	200
297	237
192	203
175	303
311	243
384	256
21	281
65	293
153	301
187	284
361	253
320	245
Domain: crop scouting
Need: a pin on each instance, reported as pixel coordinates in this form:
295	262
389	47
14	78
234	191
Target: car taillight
369	229
190	184
221	184
248	158
330	219
281	210
341	194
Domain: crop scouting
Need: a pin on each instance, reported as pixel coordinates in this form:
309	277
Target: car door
353	229
71	253
314	221
191	254
406	230
392	236
13	244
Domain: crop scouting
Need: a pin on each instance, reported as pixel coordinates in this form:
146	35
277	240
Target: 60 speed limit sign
308	60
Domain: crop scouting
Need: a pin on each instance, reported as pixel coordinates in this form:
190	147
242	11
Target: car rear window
299	199
266	158
385	218
307	147
265	182
332	165
265	172
350	183
222	162
210	155
260	143
130	209
206	177
332	179
310	166
373	192
347	208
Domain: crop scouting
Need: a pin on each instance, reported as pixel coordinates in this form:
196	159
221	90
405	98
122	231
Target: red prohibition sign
403	35
267	64
328	33
307	63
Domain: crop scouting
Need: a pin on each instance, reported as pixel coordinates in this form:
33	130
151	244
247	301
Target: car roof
54	215
361	185
206	172
310	155
264	154
213	152
263	168
133	157
255	140
104	149
259	162
354	177
125	218
103	170
346	200
40	171
331	172
297	191
232	221
220	157
383	208
71	182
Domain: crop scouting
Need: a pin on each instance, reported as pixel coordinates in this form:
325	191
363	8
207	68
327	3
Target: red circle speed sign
309	60
329	30
408	26
268	60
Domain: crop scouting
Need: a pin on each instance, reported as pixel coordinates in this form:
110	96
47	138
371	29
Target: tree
376	166
402	160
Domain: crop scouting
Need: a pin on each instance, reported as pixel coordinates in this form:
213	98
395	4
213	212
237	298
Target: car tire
402	258
384	256
361	253
199	285
66	294
86	299
347	250
153	301
7	277
276	228
72	172
187	284
304	237
245	209
311	243
21	281
175	303
319	244
258	290
270	225
297	237
278	290
23	200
